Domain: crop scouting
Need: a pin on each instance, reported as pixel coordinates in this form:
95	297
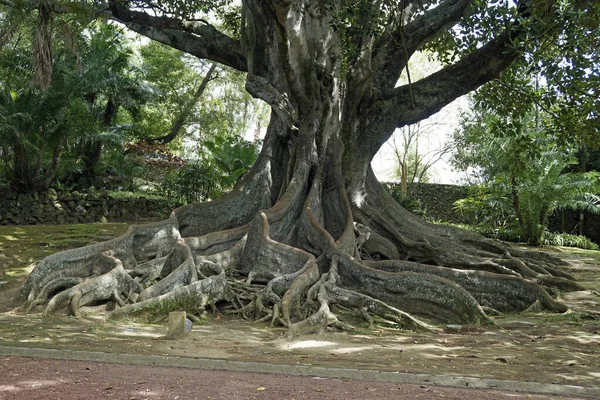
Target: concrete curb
303	370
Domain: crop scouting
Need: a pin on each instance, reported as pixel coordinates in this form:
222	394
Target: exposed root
54	286
150	240
181	271
299	262
500	292
368	305
109	286
192	298
320	320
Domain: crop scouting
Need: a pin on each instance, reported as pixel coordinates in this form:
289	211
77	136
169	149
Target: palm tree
546	188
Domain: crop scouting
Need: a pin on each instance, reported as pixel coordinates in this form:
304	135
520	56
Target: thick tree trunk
310	223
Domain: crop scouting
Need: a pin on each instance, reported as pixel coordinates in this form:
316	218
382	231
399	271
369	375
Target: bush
514	235
407	201
568	240
192	183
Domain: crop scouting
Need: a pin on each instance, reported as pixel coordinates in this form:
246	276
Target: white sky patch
442	125
358	198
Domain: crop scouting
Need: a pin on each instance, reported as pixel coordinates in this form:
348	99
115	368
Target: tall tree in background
522	167
179	85
413	163
112	83
310	220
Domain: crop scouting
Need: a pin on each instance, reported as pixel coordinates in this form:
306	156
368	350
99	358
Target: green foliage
568	240
407	201
231	156
193	183
511	143
225	161
486	206
54	135
514	235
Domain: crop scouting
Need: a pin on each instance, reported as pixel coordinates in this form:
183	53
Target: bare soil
539	347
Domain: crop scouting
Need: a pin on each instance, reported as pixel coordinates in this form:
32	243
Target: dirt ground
42	379
537	347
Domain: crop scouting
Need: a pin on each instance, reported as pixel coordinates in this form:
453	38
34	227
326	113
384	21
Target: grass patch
22	245
508	234
134	195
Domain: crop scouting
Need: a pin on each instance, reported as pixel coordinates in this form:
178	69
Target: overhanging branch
392	51
184	36
436	91
197	38
409	104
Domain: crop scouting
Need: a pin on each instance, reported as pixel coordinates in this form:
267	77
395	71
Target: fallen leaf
260	388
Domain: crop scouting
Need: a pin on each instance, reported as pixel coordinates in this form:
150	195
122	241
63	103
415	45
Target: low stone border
304	370
72	208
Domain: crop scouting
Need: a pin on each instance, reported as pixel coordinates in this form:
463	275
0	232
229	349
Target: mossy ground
23	245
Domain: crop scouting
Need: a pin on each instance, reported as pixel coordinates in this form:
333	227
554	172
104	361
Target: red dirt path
29	379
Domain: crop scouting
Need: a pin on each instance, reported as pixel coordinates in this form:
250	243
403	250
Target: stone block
177	325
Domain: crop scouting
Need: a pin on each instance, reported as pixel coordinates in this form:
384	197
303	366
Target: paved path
68	375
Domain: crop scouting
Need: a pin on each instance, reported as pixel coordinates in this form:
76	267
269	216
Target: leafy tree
522	165
111	83
178	88
38	124
224	161
412	164
309	218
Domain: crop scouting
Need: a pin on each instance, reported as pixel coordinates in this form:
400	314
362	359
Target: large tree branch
194	37
187	109
392	51
409	104
197	38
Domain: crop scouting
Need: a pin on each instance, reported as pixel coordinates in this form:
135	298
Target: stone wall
568	221
437	200
71	208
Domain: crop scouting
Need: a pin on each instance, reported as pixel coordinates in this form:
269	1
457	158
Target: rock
52	196
453	328
177	325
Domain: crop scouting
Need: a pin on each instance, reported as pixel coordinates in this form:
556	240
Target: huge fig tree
309	230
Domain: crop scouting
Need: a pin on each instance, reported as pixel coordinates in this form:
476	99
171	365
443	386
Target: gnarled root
192	298
109	286
58	284
299	262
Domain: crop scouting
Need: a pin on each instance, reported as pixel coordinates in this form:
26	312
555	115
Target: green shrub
568	240
514	235
192	183
407	201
